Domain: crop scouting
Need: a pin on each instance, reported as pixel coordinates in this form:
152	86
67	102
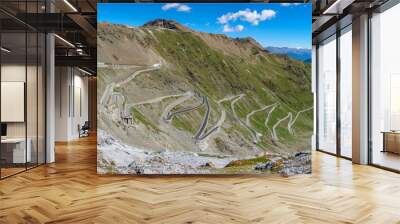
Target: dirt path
131	77
255	135
228	98
248	116
155	100
274	135
295	118
106	94
268	117
110	88
116	66
291	122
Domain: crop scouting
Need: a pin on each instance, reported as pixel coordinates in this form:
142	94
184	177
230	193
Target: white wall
33	126
61	103
83	83
70	83
16	73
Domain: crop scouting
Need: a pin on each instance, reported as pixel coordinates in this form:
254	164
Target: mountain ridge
173	25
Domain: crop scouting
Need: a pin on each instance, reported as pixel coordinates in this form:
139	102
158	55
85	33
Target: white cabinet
19	155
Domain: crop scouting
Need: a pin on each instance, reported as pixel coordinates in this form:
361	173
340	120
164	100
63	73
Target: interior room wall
61	103
15	73
69	113
82	82
19	73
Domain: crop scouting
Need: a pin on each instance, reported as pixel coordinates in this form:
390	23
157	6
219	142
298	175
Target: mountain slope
205	92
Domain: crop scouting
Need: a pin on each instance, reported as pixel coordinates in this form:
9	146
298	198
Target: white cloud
239	28
247	15
290	4
169	6
178	6
184	8
228	29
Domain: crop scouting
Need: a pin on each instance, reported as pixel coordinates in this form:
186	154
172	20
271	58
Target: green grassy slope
264	78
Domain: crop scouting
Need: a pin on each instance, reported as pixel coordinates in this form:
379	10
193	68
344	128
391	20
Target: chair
84	130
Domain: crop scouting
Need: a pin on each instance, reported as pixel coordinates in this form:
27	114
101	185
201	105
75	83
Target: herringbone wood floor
70	191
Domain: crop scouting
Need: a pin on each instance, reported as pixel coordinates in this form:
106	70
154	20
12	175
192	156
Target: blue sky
271	24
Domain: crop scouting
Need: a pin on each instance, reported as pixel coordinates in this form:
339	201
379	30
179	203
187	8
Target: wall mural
204	89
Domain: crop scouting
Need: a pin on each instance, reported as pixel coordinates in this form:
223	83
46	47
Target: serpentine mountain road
268	117
295	118
110	88
221	120
253	133
248	116
204	123
170	115
274	135
167	110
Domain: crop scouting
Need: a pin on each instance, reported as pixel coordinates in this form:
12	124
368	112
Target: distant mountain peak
291	48
164	23
301	54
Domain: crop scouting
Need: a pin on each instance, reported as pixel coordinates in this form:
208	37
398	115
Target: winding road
229	98
295	118
255	135
175	103
248	116
131	77
201	134
221	120
110	88
154	100
106	94
216	127
274	135
170	115
290	125
204	122
268	117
